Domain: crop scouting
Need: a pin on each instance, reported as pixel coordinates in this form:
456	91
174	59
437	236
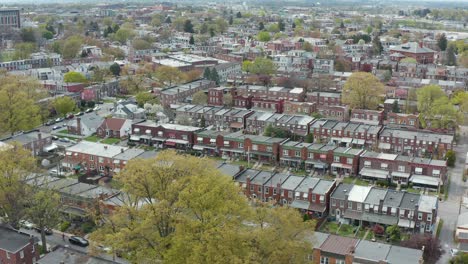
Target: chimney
105	146
78	125
121	150
39	136
420	44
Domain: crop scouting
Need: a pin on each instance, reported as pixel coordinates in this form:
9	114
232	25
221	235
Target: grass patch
411	190
108	101
65	131
346	230
439	227
446	188
330	227
92	138
361	233
348	180
361	182
110	141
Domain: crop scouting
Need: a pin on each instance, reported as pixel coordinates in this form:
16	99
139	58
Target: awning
379	218
341	165
50	147
425	180
336	139
77	167
137	130
299	204
373	173
317	207
236	125
418	170
352	214
158	139
177	141
406	223
384	145
268	154
359	141
233	150
145	136
134	138
170	143
290	159
317	164
212	140
346	140
197	147
400	174
74	211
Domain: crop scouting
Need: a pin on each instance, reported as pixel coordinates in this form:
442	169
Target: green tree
18	107
64	105
207	73
246	65
281	25
426	96
74	77
262	66
307	47
145	97
264	36
309	138
28	35
239	15
221	25
47	35
124	34
44	210
377	47
169	75
395	107
394	233
188	26
141	44
451	158
450	55
268	130
191	40
115	69
23	50
228	100
460	258
200	98
71	47
231	20
442	42
261	26
362	90
215	76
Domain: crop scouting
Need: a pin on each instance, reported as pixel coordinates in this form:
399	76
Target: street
450	209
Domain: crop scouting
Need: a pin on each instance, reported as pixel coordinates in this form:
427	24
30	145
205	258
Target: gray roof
90	121
341	191
412	47
27	137
375	195
292	182
368	250
421	135
261	178
308	182
242	177
229	169
75	189
278	178
399	255
409	201
393	198
71	256
12	240
322	187
317	239
129	154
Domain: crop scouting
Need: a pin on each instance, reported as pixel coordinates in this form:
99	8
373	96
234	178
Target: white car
453	252
97	108
27	224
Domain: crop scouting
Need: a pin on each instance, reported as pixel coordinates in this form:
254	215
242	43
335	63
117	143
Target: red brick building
114	128
17	247
413	50
164	135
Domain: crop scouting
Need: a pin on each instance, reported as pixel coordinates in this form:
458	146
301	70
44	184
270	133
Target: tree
44	210
451	158
168	20
141	44
143	98
309	138
183	210
71	47
191	40
239	15
47	35
124	34
307	47
246	65
27	35
261	26
215	76
23	50
16	164
200	98
193	75
394	233
74	77
231	20
221	25
362	90
188	27
263	36
169	75
395	107
228	101
432	248
18	107
460	258
281	25
342	65
64	105
451	59
426	96
442	42
183	119
377	47
378	230
261	66
115	69
442	115
207	73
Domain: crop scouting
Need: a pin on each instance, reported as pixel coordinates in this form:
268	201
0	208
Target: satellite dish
45	163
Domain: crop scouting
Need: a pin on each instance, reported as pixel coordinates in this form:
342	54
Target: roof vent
412	200
345	190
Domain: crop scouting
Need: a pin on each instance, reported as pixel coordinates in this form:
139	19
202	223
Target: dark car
70	116
55	138
47	231
76	240
79	114
50	122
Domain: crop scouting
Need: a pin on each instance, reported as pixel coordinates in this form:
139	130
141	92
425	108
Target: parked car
97	108
60	119
453	252
47	230
55	138
26	224
79	114
57	127
76	240
89	110
66	140
50	122
70	116
55	172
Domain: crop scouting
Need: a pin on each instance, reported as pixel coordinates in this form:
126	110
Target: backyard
110	141
92	138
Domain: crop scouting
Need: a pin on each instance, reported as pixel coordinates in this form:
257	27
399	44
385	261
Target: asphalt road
450	209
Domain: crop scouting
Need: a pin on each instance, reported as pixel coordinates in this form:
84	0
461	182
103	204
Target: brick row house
365	205
324	98
296	124
308	156
179	93
164	135
399	169
345	161
17	247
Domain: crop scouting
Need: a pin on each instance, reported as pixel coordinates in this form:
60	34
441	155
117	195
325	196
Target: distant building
412	50
10	18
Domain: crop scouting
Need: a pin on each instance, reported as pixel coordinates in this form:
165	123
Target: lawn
65	131
93	138
354	180
411	190
361	182
361	233
330	227
348	180
346	230
110	141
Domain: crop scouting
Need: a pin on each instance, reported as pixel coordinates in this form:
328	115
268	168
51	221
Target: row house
197	112
416	51
335	112
18	247
296	124
415	143
345	161
216	95
271	105
312	196
346	134
365	205
407	120
34	141
300	155
405	106
180	93
399	169
287	94
209	142
242	101
324	98
301	108
293	154
164	135
370	117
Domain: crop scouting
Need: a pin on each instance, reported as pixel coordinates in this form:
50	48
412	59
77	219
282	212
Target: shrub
378	230
88	227
451	157
64	226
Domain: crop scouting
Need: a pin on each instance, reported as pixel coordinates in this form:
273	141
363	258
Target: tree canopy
180	209
363	90
260	66
435	108
64	105
168	75
74	77
200	98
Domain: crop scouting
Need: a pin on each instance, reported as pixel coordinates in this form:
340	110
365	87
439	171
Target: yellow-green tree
74	77
181	209
169	75
16	164
64	105
200	98
18	107
71	47
363	90
426	96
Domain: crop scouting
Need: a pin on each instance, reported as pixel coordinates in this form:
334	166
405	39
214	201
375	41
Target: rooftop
368	250
97	149
339	245
359	193
12	240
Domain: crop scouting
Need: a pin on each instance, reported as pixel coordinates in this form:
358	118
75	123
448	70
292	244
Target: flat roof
13	240
368	250
359	193
96	149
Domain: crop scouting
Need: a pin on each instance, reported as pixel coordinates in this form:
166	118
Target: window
401	168
8	255
184	137
324	260
429	217
367	164
298	153
336	158
349	160
254	147
313	198
285	152
101	168
436	173
251	188
393	210
418	171
290	194
305	195
419	216
33	248
366	207
383	166
350	205
269	149
21	254
402	213
259	188
274	191
333	202
411	122
359	206
241	145
267	190
384	210
311	155
340	261
322	199
91	157
342	204
428	228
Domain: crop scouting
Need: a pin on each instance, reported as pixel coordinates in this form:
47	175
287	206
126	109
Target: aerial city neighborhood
187	131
